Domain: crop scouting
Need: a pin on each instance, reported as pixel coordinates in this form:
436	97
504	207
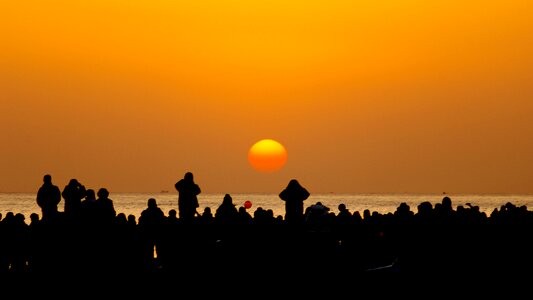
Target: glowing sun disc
267	156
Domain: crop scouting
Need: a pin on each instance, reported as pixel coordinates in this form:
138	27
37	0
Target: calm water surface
135	203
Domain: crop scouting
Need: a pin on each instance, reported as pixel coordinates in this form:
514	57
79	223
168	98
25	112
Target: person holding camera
73	193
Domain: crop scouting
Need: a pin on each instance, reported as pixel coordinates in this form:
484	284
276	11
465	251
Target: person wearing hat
294	196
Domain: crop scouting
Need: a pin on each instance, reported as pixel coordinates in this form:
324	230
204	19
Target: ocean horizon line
321	193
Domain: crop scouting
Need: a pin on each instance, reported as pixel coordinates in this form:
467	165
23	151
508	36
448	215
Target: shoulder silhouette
105	210
188	191
48	197
294	195
73	193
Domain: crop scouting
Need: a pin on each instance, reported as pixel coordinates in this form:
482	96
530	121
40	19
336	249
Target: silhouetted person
48	197
316	215
34	219
19	242
207	216
294	196
447	203
226	213
105	211
187	198
168	246
172	216
131	220
88	206
34	232
73	193
151	224
344	217
152	216
226	218
244	216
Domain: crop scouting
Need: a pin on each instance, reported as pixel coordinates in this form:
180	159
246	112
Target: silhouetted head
207	209
188	176
293	184
121	218
152	203
294	192
19	218
227	199
47	178
103	193
447	202
34	217
172	213
342	207
90	195
73	182
403	207
425	208
131	219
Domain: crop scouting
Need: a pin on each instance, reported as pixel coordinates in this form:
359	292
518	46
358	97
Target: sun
267	156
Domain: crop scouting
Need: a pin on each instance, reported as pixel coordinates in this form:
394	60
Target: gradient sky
371	96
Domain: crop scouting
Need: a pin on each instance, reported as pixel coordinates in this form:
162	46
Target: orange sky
367	96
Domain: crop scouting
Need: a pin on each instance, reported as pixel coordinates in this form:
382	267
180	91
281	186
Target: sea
135	203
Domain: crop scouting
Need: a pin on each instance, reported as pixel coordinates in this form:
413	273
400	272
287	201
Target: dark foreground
327	252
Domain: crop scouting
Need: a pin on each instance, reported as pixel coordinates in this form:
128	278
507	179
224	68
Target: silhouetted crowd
89	237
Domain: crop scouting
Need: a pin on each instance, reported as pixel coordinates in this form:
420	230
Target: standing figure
88	206
73	193
151	225
104	208
294	196
48	197
187	197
